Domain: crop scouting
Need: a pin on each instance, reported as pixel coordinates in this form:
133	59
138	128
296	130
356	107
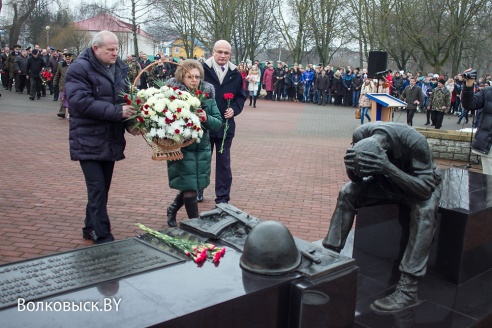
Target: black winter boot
250	100
173	209
404	297
191	206
254	101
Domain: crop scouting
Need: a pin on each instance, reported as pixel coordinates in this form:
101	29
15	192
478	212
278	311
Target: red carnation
128	102
138	101
140	118
177	131
178	110
125	97
206	94
146	106
172	97
228	96
198	92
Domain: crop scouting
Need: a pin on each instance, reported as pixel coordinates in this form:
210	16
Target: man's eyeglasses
220	52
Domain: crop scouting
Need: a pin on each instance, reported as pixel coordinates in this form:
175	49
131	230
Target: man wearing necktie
225	78
414	97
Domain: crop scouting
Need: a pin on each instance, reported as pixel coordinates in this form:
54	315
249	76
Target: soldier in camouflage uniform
133	69
439	103
158	73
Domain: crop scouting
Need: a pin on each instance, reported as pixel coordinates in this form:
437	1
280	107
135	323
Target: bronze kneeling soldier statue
391	163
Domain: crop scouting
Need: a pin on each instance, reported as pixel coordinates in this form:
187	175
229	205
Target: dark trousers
410	113
437	117
5	78
223	172
321	97
22	83
56	92
278	89
347	97
35	86
98	175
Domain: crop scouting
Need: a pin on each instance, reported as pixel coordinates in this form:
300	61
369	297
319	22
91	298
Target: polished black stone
321	292
60	273
457	288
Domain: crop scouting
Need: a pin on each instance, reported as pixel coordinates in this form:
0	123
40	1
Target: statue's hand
373	163
350	159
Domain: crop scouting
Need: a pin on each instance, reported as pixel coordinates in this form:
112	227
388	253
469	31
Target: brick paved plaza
287	161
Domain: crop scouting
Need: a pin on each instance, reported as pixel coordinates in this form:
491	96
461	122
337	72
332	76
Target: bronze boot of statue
404	297
173	209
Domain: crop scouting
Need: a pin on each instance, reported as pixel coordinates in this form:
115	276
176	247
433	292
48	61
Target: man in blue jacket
226	79
94	84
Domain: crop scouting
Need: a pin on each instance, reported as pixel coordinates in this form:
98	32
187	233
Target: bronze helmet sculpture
270	249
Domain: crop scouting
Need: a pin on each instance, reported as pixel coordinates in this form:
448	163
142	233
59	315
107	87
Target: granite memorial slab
60	273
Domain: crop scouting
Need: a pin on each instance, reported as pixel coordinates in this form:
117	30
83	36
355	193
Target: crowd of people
37	71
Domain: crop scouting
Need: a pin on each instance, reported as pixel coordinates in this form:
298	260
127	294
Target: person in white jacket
253	78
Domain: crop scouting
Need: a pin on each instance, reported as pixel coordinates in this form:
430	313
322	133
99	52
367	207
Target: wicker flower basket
168	150
163	149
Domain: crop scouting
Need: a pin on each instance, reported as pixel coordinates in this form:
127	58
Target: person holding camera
482	141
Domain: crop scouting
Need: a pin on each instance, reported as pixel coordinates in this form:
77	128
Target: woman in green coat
192	173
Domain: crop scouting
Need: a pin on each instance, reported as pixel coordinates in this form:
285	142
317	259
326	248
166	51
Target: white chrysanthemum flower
177	126
194	102
161	121
185	112
161	133
141	94
152	133
186	133
159	105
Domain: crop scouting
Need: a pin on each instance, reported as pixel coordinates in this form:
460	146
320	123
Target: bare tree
183	16
292	25
327	24
253	28
434	27
72	39
218	20
22	9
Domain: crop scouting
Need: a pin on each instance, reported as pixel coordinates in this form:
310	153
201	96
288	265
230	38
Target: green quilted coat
193	171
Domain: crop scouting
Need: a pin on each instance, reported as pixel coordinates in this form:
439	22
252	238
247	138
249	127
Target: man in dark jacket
53	61
11	61
226	79
35	66
397	85
20	66
356	86
322	83
94	83
413	96
471	101
278	79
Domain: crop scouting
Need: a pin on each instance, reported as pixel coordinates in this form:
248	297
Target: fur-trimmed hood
203	86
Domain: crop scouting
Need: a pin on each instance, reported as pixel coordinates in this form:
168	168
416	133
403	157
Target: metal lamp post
48	35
